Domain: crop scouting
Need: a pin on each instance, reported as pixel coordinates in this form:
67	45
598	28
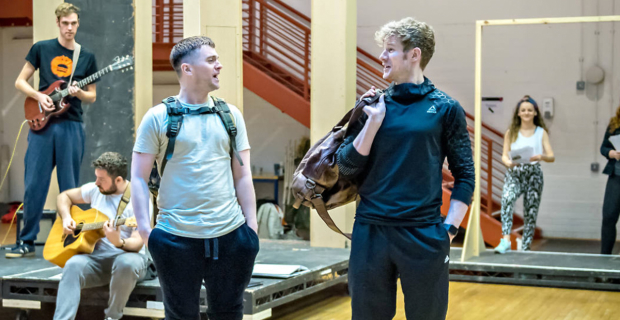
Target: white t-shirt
197	197
107	205
535	141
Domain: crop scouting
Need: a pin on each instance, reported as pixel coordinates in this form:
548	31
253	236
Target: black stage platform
537	268
26	283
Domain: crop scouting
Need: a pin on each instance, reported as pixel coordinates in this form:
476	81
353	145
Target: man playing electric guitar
118	259
61	142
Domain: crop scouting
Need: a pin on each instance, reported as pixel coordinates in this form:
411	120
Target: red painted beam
15	13
161	56
277	94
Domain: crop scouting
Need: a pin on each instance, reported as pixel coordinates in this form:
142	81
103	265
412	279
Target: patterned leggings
526	180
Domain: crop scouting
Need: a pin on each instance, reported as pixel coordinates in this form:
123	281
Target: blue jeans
60	145
224	263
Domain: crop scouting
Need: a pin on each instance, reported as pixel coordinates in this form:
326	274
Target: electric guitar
59	247
58	91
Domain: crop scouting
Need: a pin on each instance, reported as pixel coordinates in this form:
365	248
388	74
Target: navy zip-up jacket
400	181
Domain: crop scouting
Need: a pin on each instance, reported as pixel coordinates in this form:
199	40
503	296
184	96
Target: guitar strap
76	56
123	203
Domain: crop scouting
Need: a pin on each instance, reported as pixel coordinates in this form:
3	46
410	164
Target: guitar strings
97	214
94	220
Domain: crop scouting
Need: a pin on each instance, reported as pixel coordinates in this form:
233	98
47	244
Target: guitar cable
4	178
2	244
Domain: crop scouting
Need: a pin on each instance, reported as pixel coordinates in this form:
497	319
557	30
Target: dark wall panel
107	30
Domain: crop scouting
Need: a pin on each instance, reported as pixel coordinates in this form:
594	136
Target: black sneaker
21	250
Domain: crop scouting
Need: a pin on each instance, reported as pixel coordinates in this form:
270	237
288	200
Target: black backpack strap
175	120
222	110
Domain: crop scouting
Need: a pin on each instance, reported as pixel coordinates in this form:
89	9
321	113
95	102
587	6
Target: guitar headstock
122	63
131	222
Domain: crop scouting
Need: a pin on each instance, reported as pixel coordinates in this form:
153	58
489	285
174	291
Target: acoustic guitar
58	91
59	247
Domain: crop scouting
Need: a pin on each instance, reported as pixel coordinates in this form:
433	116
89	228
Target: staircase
276	67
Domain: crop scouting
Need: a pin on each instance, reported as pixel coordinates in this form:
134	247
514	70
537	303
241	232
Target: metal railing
278	38
167	21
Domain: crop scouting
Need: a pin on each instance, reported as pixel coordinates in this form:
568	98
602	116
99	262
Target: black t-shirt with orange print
54	63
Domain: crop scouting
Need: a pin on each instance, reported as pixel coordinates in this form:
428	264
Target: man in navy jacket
396	153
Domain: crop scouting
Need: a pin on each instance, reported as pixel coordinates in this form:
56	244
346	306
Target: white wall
14	45
269	129
540	60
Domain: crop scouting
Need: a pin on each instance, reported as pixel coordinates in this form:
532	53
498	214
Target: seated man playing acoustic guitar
118	259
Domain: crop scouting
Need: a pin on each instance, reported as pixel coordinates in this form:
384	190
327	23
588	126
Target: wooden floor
473	301
10	237
468	301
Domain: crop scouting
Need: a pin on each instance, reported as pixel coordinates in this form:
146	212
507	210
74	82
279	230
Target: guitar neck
86	81
99	225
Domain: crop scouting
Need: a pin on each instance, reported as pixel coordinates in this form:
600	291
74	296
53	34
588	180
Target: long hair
515	126
614	123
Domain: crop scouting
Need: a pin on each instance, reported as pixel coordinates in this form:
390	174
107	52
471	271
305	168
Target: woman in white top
527	130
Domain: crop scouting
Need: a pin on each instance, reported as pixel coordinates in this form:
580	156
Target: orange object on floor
12	211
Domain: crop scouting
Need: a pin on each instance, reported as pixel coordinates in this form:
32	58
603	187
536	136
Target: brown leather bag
317	183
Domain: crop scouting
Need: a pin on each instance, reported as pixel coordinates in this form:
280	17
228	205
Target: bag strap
222	110
356	112
76	56
351	117
175	121
319	206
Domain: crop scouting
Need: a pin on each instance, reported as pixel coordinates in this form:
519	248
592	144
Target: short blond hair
412	34
65	9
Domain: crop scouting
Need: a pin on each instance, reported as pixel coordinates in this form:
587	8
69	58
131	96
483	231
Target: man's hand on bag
369	93
376	112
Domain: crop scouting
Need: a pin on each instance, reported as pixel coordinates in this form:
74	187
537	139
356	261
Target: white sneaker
503	247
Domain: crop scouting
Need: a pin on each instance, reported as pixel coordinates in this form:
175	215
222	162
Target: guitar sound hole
69	239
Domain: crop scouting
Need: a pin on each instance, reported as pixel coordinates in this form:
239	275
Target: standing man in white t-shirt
206	226
119	259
